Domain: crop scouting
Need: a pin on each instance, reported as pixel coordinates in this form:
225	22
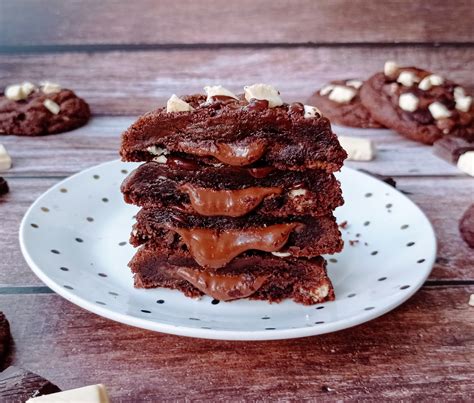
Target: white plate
74	237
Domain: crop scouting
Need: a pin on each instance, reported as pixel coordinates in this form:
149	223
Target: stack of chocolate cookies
237	196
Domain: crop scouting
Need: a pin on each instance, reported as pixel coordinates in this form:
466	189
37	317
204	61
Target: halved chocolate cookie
340	102
419	104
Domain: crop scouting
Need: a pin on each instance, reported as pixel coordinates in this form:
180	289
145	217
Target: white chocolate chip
326	89
160	159
48	87
176	104
436	79
471	300
89	394
5	159
459	92
281	254
438	110
466	162
354	83
408	102
264	92
341	94
430	81
297	192
51	106
311	112
358	149
407	78
390	68
18	92
155	150
218	91
463	104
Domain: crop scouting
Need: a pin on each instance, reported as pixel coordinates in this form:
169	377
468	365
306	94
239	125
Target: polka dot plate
74	237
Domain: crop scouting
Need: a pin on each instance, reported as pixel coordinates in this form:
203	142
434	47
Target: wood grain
422	350
131	83
24	22
455	259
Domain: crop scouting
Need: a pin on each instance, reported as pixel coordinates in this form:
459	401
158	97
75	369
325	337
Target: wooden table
125	59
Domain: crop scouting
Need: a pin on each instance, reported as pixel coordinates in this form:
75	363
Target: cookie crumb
353	242
343	224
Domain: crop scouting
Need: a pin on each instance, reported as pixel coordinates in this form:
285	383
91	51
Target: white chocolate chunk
471	300
407	78
430	81
14	92
326	89
459	92
357	149
48	87
390	68
87	394
297	192
51	106
28	88
466	162
341	94
438	110
463	104
408	102
311	112
176	104
216	91
281	254
263	92
155	150
160	159
354	83
5	159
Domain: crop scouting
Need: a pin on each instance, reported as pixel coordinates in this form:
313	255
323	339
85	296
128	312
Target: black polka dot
56	252
105	200
45	209
265	317
63	190
100	303
205	327
368	195
123	243
124	171
145	311
410	244
269	328
404	226
404	287
351	295
367	223
194	319
332	260
420	261
64	269
389	205
374	253
102	274
68	287
96	177
90	219
357	235
34	225
113	293
382	279
79	240
319	322
320	307
369	308
160	301
215	301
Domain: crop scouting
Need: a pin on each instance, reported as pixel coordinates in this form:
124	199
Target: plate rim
219	334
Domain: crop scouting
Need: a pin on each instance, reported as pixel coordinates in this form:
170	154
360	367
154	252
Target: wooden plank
422	350
246	21
99	141
131	83
453	195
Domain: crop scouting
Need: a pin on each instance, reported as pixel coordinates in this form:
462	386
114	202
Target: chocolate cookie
5	338
466	226
418	104
26	110
340	102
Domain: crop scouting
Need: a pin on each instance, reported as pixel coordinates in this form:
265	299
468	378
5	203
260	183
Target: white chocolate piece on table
263	92
176	104
357	149
466	162
87	394
5	159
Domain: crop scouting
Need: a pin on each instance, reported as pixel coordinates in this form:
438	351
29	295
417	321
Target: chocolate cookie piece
4	189
418	104
19	385
40	113
340	102
466	226
451	148
5	338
